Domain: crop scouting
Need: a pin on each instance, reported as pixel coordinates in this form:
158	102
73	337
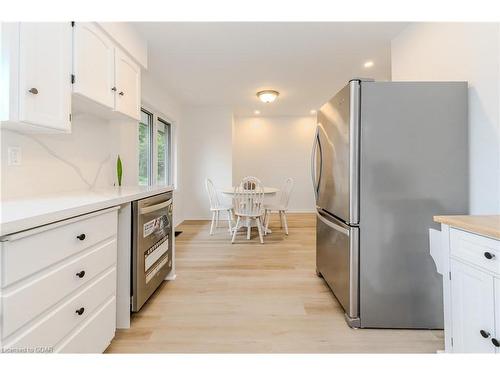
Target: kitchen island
467	254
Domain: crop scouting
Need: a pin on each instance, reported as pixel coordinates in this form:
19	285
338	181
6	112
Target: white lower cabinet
496	340
473	309
67	304
95	334
471	291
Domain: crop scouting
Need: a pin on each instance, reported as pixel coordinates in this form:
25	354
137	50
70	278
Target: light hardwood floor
255	298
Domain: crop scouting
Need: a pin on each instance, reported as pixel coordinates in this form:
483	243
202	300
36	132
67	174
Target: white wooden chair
248	202
281	206
216	207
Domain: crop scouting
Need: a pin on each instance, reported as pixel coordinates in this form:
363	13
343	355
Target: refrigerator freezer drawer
337	260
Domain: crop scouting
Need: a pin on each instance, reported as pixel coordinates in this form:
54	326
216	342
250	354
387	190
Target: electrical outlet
14	155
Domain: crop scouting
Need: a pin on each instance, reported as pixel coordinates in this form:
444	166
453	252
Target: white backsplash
84	159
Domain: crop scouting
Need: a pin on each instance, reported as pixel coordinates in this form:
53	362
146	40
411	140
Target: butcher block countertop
485	225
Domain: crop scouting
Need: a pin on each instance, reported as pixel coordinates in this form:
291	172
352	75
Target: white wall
466	52
205	151
274	148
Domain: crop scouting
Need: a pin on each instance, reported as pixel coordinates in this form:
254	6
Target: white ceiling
225	64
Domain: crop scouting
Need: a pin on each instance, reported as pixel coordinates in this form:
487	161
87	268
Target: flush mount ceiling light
256	112
368	64
267	96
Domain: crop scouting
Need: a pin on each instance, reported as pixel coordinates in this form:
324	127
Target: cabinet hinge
70	117
72	78
449	274
72	23
452	341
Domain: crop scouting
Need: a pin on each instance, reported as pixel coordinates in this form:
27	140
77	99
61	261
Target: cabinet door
497	311
472	305
93	64
45	74
127	78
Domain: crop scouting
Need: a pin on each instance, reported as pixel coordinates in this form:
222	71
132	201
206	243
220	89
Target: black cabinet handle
81	237
495	342
82	273
484	333
33	90
489	255
121	93
80	311
113	88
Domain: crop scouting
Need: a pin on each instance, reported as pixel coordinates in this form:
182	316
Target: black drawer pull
484	333
489	255
495	342
121	93
81	237
80	274
80	311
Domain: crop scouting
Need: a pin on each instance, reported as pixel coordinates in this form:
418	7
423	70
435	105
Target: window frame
150	171
171	147
167	133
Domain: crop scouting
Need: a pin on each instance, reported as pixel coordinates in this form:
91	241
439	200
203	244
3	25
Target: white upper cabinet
93	64
36	79
127	76
473	310
43	64
104	74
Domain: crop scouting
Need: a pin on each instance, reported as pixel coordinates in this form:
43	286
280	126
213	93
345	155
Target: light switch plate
14	155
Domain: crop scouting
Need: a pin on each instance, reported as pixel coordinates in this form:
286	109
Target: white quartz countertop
29	212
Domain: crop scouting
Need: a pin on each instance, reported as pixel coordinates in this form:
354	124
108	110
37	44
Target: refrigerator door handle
333	225
313	163
320	163
316	146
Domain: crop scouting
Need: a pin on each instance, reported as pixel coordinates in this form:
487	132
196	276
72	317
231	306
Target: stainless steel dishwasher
152	240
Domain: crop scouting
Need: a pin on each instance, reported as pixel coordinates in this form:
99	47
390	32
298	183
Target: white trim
173	144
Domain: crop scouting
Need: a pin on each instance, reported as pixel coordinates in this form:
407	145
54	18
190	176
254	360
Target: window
155	152
163	142
145	147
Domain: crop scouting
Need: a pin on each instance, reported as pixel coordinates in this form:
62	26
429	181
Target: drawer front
25	256
57	324
29	300
95	335
478	250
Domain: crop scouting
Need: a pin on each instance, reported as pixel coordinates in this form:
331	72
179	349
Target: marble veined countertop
29	212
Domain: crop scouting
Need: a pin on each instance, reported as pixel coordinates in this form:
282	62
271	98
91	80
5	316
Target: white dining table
268	191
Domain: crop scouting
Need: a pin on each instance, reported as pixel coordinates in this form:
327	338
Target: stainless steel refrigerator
387	156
